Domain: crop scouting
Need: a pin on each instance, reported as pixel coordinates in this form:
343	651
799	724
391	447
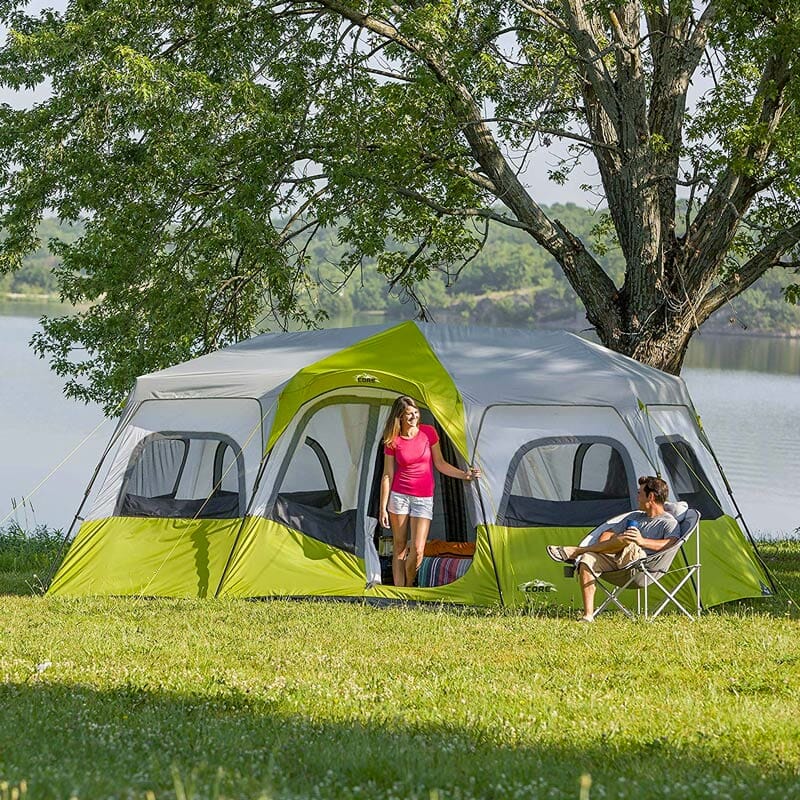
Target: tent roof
487	365
491	365
251	368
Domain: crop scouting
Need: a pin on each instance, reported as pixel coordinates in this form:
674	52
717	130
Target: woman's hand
471	472
383	518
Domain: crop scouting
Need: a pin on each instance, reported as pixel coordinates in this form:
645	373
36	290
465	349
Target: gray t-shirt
664	526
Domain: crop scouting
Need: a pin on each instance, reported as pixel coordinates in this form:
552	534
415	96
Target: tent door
319	473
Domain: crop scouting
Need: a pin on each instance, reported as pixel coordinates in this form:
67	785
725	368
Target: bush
27	556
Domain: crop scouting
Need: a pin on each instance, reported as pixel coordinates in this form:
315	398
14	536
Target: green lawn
120	698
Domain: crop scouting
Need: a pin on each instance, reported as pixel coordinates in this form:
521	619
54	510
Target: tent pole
489	539
253	495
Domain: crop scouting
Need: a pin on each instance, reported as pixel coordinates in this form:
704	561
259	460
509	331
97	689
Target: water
39	428
746	390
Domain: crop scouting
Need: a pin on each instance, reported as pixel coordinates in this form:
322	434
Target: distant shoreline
17	297
23	299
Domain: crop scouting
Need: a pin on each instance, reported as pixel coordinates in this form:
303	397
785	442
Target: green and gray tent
253	471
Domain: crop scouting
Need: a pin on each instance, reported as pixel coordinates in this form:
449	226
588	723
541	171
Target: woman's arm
386	485
448	469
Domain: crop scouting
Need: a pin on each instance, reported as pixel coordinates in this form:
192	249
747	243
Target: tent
254	471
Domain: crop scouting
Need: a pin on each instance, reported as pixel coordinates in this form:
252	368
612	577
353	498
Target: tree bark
634	108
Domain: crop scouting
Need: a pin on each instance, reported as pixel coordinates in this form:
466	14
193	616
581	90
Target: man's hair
655	486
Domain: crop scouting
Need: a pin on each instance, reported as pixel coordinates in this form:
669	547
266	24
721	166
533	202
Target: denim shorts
410	505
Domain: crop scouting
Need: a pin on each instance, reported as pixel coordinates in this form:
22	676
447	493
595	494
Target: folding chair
652	569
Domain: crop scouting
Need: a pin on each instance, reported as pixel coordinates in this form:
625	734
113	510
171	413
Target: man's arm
654	545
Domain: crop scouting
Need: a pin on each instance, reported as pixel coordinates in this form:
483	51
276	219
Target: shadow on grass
68	740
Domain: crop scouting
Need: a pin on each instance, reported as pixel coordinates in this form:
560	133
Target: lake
746	390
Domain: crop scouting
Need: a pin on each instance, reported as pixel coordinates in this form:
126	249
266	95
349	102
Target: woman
410	452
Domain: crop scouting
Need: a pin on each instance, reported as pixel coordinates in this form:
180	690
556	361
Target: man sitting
640	533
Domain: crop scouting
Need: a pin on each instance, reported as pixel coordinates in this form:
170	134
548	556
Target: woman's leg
399	523
419	535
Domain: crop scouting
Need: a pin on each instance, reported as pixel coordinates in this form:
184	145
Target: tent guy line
27	497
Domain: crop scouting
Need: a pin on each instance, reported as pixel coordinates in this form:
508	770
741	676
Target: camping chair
652	569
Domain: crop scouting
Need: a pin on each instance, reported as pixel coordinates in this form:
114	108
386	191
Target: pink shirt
413	463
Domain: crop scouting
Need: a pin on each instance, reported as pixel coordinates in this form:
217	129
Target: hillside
511	282
515	282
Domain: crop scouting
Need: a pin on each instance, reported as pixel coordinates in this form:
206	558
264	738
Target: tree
205	145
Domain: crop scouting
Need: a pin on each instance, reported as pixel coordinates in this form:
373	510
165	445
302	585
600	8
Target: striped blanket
439	570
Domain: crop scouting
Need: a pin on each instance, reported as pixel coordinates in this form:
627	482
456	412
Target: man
640	533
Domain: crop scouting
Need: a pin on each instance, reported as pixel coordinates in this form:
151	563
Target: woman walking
411	450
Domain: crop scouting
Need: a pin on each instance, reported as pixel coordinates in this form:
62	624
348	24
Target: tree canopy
206	146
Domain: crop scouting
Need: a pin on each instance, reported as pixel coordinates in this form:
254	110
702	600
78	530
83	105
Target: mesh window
688	479
184	476
600	473
319	489
226	477
309	475
566	482
158	468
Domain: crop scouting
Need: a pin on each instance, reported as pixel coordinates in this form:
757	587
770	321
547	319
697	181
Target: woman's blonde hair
392	428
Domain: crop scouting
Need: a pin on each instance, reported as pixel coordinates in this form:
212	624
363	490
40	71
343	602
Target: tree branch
729	200
595	72
769	256
541	14
483	213
560	133
581	269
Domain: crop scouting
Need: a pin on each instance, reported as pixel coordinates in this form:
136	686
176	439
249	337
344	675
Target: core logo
536	586
366	378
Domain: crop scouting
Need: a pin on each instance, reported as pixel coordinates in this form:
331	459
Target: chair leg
612	597
670	596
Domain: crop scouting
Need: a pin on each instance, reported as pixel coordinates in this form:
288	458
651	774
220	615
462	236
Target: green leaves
208	146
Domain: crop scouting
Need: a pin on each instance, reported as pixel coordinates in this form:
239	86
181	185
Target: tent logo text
366	378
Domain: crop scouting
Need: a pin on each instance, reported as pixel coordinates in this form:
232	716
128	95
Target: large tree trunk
661	340
634	98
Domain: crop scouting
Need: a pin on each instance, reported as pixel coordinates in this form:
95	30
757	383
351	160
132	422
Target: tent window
225	474
158	468
688	479
309	477
318	485
184	476
566	481
599	473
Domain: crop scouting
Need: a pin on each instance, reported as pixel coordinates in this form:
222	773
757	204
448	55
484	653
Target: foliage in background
512	281
38	273
207	147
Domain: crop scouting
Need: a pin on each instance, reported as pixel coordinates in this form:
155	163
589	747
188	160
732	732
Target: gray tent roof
488	365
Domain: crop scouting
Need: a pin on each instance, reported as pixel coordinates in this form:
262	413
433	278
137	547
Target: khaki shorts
599	563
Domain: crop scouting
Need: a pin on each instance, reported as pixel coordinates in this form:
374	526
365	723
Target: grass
26	557
131	698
